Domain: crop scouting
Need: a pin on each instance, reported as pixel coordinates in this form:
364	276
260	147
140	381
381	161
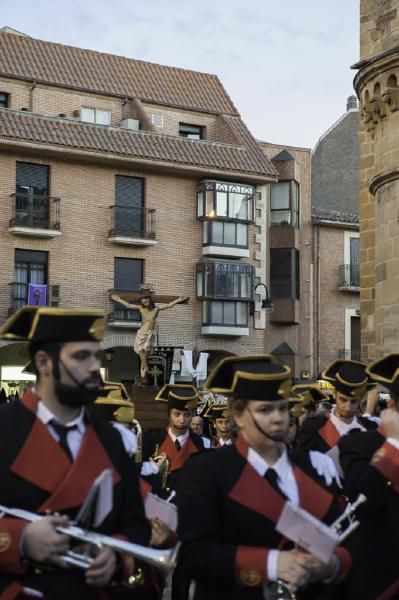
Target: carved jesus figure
149	312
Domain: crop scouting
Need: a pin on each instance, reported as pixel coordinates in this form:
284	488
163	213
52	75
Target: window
4	99
350	270
223	233
224	280
230	314
284	273
128	276
32	195
192	132
284	203
225	201
98	116
129	210
30	266
157	120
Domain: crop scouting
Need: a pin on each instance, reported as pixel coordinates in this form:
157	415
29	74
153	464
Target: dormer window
4	100
192	132
99	116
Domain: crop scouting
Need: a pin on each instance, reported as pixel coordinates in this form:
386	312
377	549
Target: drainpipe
31	96
318	299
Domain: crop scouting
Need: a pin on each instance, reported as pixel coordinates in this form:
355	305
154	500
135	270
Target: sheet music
157	507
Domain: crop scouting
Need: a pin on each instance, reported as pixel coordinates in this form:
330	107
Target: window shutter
34	176
128	274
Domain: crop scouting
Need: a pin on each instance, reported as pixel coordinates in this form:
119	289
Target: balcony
350	354
20	296
349	277
133	226
35	216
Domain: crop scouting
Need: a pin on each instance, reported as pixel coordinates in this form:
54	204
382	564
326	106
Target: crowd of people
232	467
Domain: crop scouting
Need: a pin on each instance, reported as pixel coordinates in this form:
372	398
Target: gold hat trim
332	378
124	414
166	388
208	383
381	378
224	410
98	314
283	377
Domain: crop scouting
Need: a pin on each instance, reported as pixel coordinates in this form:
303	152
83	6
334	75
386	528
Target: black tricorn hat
218	410
348	377
386	371
257	377
310	394
178	395
113	403
49	324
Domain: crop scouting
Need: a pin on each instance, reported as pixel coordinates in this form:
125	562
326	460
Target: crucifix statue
149	307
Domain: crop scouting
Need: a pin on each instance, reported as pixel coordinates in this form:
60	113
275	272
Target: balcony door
32	195
129	206
128	276
30	267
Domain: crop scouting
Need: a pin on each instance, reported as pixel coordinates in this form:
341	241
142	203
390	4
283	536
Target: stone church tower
376	84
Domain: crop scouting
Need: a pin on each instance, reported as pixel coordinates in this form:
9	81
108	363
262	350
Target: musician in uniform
370	461
175	443
51	451
323	432
220	416
230	501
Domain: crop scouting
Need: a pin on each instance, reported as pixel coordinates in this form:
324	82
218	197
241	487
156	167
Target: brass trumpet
161	559
343	526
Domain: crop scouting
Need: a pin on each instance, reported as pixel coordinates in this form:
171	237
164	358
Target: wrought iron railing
349	276
350	354
35	211
134	222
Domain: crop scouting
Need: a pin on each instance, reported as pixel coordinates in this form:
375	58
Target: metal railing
19	296
350	354
134	222
35	211
349	276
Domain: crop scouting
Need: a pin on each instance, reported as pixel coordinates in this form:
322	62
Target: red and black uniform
158	441
371	466
37	475
319	433
227	518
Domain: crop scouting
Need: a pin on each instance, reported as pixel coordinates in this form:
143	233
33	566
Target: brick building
116	172
335	240
376	84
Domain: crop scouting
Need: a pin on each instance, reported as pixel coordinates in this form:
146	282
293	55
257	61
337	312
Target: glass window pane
103	117
216	312
280	273
205	312
200	204
208	291
242	313
199	284
280	195
230	234
238	206
217	232
280	217
221	204
229	313
245	285
242	235
209	202
88	115
205	229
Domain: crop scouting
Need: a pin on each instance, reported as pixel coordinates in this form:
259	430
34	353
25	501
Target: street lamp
267	303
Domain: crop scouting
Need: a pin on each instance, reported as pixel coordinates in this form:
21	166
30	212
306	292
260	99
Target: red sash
177	457
329	433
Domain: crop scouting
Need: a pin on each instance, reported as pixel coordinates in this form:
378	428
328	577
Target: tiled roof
66	66
321	214
149	147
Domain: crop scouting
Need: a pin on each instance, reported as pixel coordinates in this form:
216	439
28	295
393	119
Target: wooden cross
145	290
155	372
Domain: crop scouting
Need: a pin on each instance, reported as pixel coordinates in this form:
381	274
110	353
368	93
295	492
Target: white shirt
286	482
222	443
344	428
182	439
74	437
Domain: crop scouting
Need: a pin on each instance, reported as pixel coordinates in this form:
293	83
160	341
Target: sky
284	63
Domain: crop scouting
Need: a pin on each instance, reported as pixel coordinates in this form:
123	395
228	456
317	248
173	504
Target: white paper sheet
157	507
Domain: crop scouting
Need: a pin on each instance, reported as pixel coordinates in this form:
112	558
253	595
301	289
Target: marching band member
220	416
370	461
51	451
230	500
323	432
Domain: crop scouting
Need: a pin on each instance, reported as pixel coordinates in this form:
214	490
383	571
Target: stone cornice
374	66
381	179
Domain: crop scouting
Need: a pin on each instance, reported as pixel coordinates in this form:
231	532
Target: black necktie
271	476
62	432
177	444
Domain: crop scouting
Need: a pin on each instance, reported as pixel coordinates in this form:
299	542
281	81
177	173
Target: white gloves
325	467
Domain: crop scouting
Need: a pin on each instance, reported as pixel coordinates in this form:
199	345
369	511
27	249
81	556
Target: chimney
351	103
